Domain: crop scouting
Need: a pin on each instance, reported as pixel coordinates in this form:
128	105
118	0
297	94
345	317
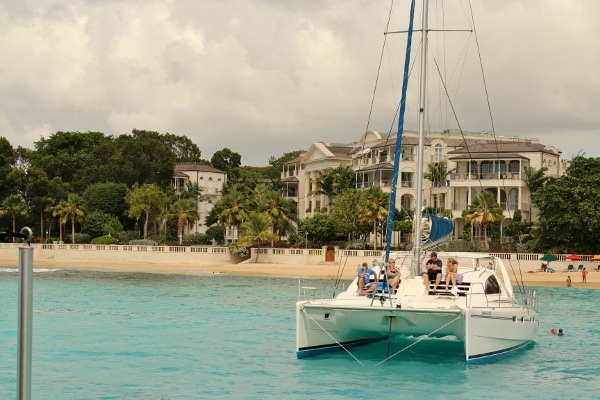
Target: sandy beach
324	270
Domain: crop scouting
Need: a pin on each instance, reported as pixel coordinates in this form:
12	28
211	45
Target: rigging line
520	284
412	344
334	339
378	69
487	98
338	278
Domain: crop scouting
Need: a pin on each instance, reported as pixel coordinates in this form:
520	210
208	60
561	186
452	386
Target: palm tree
256	229
61	211
279	210
437	173
534	179
373	207
146	200
14	206
234	213
75	211
485	209
184	211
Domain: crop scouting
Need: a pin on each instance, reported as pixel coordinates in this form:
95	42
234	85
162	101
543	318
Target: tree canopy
569	206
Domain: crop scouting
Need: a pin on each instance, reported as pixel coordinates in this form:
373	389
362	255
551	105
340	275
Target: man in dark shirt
434	271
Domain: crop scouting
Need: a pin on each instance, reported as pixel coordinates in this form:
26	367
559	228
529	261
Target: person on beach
451	272
393	275
583	275
365	285
568	281
433	272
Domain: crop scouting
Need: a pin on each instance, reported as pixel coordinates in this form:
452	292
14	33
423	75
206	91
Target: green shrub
106	239
127	236
357	245
80	238
142	242
238	249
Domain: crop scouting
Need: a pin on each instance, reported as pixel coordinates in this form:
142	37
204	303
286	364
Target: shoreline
323	270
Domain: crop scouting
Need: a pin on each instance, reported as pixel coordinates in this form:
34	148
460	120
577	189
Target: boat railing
499	299
532	300
310	290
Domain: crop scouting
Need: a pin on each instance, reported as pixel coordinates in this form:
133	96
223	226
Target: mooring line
334	339
412	344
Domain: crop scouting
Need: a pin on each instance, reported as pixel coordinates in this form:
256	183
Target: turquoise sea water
144	336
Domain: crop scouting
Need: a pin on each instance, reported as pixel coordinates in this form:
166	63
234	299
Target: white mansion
480	160
209	179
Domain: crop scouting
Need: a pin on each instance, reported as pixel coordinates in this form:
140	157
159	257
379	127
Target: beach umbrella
574	257
596	258
549	257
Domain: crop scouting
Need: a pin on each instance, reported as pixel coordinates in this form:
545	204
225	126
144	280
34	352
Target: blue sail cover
440	227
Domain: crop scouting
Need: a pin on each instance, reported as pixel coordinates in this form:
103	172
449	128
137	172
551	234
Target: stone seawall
209	255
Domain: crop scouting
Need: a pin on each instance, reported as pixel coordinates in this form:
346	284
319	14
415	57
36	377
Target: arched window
487	167
502	167
438	153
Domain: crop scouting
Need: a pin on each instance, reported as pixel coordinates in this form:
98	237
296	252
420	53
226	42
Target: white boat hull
490	325
487	334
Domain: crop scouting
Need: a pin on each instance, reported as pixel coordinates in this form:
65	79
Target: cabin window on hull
492	286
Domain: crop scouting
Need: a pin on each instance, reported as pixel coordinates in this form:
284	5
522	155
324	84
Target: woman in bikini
392	275
451	272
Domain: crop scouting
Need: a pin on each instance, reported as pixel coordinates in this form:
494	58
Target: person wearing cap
365	285
434	271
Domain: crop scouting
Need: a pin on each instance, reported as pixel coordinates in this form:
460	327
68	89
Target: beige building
480	162
210	180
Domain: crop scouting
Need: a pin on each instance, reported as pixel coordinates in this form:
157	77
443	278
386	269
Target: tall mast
422	94
398	149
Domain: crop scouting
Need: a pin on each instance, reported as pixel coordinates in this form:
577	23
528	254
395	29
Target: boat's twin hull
323	327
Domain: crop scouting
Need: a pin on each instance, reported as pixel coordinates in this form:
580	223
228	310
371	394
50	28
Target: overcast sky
266	77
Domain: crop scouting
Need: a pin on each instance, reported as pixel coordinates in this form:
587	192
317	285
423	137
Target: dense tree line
86	185
94	185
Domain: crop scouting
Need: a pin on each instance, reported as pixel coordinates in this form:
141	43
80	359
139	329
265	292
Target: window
487	167
473	170
492	286
502	167
513	199
513	167
438	153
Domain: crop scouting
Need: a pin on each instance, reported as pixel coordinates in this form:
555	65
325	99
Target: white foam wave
34	270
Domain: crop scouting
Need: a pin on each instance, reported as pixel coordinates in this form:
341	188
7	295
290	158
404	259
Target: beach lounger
580	268
570	268
550	270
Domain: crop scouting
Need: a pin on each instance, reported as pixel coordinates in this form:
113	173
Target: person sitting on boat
392	275
451	272
365	284
434	271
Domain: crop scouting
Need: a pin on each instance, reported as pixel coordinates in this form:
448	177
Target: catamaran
481	310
